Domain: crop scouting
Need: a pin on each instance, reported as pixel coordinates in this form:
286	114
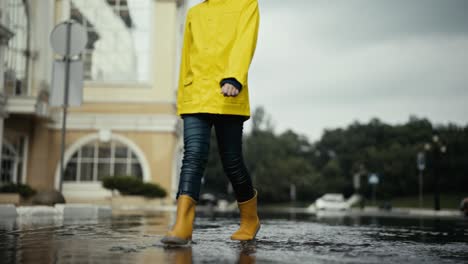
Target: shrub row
23	190
130	185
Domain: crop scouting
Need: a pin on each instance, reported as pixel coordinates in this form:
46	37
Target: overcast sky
326	63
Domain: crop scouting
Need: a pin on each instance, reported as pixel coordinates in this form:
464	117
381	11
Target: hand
229	90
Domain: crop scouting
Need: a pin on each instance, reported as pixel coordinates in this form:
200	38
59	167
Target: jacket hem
225	110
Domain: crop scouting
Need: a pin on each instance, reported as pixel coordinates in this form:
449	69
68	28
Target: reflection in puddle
303	239
247	252
183	254
179	255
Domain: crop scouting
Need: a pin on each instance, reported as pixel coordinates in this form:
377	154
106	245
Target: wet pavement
283	238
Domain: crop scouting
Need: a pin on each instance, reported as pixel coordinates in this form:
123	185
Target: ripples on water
282	239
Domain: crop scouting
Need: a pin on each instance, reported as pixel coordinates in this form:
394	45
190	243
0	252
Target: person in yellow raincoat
219	43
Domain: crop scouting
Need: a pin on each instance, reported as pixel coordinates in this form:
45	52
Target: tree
275	161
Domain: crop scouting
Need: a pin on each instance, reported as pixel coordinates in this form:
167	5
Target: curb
8	211
83	211
65	211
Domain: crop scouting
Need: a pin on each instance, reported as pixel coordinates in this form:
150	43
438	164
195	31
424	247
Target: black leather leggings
197	133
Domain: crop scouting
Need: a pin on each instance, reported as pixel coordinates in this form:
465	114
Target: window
15	59
119	38
12	160
96	160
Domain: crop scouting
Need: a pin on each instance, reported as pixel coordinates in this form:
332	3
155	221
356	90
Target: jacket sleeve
233	82
244	44
184	61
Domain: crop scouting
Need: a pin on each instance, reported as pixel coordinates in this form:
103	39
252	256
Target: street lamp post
421	164
68	39
438	149
361	171
374	181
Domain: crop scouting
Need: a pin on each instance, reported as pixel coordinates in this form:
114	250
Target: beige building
127	123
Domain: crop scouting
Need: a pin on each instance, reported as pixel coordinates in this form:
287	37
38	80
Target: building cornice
117	122
173	1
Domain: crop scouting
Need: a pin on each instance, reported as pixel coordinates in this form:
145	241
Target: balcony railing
14	86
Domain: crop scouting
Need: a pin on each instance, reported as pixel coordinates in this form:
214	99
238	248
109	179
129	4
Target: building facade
126	124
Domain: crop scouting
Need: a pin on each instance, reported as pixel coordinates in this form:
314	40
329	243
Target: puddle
282	239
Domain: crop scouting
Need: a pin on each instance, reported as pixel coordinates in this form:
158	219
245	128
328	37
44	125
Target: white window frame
15	178
12	56
96	160
140	155
134	84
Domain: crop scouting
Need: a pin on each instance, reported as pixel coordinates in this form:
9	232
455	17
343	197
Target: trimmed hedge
130	185
23	190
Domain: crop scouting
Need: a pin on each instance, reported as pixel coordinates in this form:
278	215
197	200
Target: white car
332	202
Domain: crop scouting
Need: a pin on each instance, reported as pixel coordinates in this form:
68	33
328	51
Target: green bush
23	190
130	185
153	190
127	185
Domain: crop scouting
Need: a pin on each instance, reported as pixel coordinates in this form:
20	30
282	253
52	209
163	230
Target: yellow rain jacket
219	42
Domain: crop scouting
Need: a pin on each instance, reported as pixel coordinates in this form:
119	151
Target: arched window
16	55
119	38
97	159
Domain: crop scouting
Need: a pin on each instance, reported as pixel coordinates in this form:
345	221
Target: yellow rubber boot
250	224
181	232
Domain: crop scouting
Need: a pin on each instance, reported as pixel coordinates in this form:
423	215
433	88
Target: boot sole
258	229
177	241
255	235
